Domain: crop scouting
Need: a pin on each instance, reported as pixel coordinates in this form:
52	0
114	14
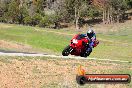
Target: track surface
13	53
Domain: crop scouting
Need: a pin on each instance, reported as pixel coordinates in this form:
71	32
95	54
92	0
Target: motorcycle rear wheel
84	55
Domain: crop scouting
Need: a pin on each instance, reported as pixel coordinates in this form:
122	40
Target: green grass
37	39
113	45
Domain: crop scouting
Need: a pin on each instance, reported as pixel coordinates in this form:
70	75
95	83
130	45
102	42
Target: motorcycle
77	47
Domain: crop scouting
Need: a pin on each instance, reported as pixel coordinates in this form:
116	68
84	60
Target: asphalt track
14	53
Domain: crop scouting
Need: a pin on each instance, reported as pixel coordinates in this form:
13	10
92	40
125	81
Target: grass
113	45
37	39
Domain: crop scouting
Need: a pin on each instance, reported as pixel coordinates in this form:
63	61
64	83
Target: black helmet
90	33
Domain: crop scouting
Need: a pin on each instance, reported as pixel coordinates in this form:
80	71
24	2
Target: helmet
90	32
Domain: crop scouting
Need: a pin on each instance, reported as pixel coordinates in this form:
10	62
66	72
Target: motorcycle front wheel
66	51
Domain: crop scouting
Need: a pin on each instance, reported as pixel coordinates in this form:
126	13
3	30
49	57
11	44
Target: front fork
71	49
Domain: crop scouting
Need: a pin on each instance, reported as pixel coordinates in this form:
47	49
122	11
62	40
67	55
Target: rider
92	38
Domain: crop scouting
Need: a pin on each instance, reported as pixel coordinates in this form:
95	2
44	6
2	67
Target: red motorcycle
77	47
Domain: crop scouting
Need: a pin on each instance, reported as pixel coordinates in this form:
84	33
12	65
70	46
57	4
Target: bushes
2	19
28	20
48	21
36	19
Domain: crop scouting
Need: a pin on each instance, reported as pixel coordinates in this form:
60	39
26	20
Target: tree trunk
118	16
103	16
111	17
31	10
108	15
76	19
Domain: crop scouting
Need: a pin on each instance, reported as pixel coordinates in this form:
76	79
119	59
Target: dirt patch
6	45
5	26
50	73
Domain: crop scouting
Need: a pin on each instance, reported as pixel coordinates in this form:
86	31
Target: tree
36	19
129	3
28	20
32	11
4	5
22	14
113	10
118	9
41	4
13	11
71	10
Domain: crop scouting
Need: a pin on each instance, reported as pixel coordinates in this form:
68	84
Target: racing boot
88	51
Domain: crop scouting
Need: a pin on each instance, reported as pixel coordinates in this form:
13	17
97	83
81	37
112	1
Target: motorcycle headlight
74	41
